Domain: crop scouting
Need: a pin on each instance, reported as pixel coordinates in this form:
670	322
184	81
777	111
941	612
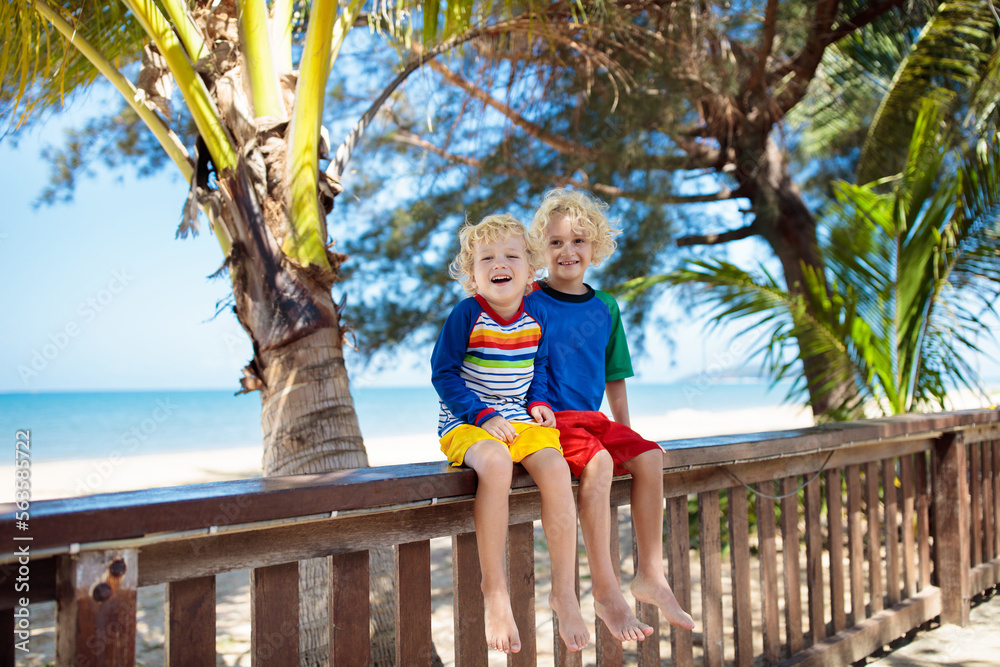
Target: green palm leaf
790	326
913	273
948	59
39	68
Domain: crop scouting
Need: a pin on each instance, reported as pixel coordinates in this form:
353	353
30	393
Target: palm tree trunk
310	426
307	413
789	227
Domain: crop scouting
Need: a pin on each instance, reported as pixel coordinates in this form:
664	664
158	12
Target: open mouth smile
501	280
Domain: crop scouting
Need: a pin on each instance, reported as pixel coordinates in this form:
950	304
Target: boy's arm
617	364
446	365
618	401
538	391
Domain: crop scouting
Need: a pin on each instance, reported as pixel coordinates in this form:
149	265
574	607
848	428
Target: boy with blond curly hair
488	367
588	356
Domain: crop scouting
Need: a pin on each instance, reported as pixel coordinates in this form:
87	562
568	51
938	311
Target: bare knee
647	464
491	461
547	465
600	467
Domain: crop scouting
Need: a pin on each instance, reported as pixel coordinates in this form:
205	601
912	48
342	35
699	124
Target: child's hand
500	429
544	415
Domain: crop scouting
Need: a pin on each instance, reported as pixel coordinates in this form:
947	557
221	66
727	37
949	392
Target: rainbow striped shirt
483	365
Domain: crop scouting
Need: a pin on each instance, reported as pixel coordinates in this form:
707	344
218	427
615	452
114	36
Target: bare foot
658	592
572	627
501	631
622	623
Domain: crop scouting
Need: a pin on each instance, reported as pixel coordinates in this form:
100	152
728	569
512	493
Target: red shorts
583	433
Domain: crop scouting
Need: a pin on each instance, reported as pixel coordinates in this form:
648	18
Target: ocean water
77	425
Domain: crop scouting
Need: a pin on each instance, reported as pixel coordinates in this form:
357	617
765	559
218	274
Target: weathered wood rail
859	532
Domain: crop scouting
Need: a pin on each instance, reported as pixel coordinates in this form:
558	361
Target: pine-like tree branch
406	137
343	154
717	239
553	141
862	18
698	156
766	44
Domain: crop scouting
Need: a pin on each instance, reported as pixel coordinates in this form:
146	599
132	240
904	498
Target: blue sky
98	294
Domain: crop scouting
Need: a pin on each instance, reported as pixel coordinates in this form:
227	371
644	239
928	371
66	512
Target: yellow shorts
530	439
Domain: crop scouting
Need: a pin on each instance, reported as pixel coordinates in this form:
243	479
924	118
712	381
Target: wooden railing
854	534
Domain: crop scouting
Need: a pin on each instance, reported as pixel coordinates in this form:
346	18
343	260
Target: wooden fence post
951	523
469	609
274	615
609	649
711	578
679	544
190	623
349	608
95	620
521	581
413	603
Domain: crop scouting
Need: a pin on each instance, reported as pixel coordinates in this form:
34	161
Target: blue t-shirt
587	346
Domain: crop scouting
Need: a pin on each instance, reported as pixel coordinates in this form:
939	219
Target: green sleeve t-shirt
587	346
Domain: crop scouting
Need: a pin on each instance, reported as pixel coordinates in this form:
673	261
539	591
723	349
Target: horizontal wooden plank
220	553
132	514
215	554
865	638
119	516
697	480
983	576
171	561
981	433
706	451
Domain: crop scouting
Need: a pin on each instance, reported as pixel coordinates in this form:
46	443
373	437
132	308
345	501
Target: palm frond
819	323
845	93
946	61
983	112
39	69
921	257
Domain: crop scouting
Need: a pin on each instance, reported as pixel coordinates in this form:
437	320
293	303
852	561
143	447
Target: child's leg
595	522
551	475
650	585
492	462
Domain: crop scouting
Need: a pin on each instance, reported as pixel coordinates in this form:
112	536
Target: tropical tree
253	77
914	273
944	89
684	136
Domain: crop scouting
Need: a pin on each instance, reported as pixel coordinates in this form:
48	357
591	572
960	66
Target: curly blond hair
584	211
491	229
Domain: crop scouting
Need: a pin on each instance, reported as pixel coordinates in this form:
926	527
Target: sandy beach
64	479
